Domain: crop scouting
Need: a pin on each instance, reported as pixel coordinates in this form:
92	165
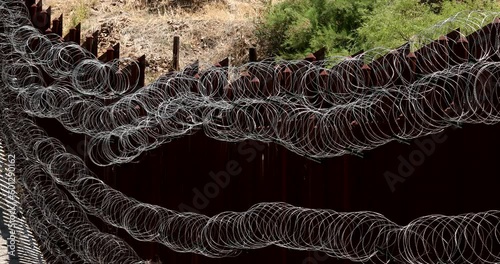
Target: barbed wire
311	109
355	105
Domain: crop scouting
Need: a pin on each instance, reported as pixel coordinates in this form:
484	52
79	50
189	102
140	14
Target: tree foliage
294	28
297	27
394	22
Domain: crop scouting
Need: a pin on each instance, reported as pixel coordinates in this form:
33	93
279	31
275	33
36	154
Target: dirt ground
209	30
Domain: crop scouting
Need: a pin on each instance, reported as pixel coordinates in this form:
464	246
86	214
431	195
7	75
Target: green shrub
293	28
394	22
80	13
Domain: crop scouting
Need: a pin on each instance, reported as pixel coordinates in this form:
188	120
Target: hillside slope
209	31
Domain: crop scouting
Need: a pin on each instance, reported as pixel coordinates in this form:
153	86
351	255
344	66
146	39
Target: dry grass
209	32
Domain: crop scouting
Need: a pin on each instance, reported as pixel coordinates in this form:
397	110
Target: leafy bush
293	28
394	22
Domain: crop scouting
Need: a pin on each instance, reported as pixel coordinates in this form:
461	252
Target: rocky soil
209	30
